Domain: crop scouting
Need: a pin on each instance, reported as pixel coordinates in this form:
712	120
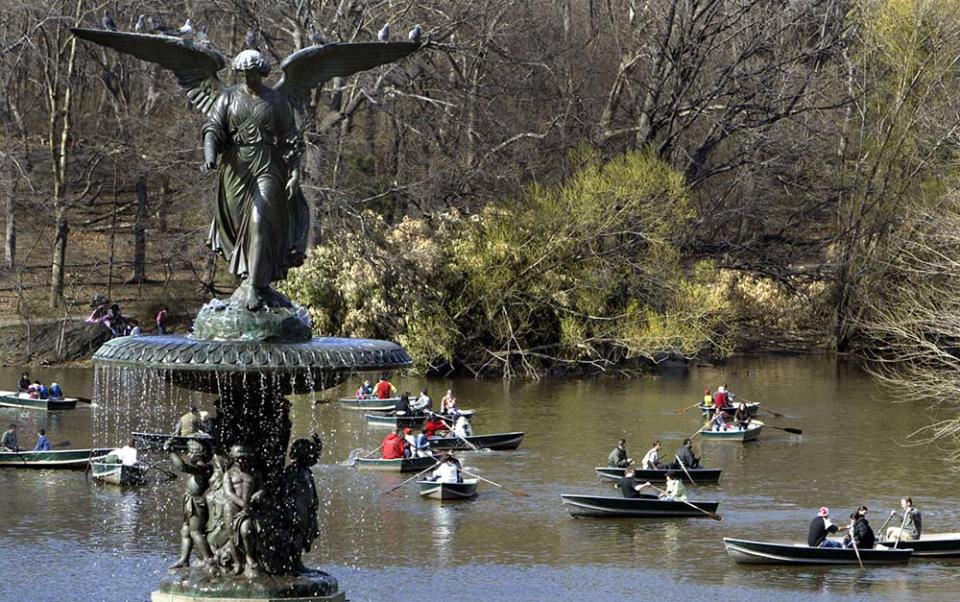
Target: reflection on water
68	539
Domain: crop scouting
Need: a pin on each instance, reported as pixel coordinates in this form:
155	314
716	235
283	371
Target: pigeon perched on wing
107	22
384	34
415	34
186	32
316	38
141	24
252	39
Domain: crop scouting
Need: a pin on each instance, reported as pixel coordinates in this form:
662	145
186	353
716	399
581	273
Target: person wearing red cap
820	527
411	444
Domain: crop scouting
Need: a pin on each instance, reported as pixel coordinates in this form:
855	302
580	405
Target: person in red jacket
433	426
393	446
384	390
720	399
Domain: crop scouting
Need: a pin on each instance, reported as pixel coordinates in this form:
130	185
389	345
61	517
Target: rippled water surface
64	538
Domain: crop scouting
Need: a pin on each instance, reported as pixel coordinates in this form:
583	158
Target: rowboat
117	474
397	465
749	434
155	441
10	399
752	409
645	506
370	404
942	545
448	491
392	420
700	475
60	458
765	552
497	441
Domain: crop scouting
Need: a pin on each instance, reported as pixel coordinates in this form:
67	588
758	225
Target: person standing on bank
162	321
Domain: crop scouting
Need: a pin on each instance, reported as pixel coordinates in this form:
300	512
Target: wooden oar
514	492
454	431
884	525
763	409
903	523
853	542
371	453
392	489
171	475
686	409
694	506
84	400
784	428
685	471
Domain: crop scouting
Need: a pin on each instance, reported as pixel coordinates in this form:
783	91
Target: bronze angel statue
262	220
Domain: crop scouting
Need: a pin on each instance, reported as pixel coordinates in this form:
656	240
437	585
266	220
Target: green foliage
584	272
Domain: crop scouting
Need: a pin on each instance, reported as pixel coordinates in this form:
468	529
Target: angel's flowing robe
259	229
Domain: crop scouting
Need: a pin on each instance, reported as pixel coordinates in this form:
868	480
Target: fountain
248	514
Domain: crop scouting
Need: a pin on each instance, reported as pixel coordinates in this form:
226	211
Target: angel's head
251	61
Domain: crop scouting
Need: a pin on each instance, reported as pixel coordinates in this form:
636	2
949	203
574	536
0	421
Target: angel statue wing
195	66
310	67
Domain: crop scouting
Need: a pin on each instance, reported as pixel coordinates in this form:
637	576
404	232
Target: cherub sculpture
261	223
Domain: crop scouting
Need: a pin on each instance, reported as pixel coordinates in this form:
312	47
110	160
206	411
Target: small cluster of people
38	390
631	488
725	414
684	458
405	443
859	531
8	442
384	389
110	317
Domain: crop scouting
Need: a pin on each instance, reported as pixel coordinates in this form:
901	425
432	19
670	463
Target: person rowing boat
685	456
618	458
628	485
861	535
912	524
741	418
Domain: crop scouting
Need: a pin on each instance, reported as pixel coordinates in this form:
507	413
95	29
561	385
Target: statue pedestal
194	586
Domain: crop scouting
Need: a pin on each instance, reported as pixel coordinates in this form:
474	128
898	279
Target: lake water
65	538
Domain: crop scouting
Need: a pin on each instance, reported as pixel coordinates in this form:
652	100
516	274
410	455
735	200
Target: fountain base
197	586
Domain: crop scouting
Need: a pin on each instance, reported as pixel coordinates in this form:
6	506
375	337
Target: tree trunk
139	233
59	256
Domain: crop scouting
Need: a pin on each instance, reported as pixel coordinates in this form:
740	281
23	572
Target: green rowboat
369	404
448	491
742	436
10	399
118	474
398	465
77	459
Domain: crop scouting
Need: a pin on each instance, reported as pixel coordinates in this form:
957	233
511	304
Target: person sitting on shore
43	444
861	533
448	471
127	455
910	526
741	418
820	527
628	485
384	389
24	383
393	445
55	391
402	407
651	460
8	442
448	404
685	457
618	457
